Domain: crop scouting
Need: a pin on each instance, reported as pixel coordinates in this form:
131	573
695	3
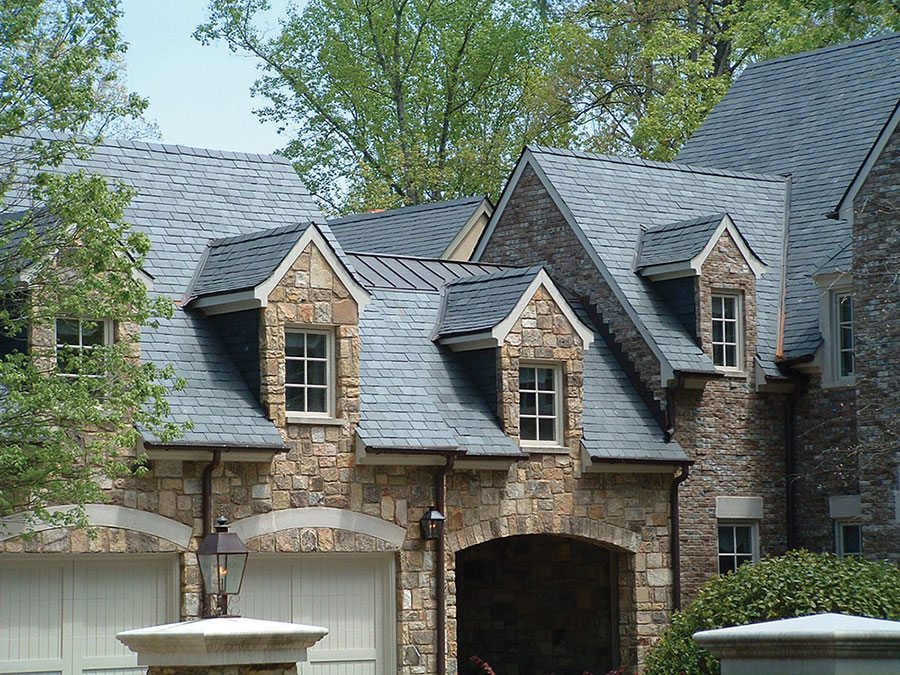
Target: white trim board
108	515
483	209
319	516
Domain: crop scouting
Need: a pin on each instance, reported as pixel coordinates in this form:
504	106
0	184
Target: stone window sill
545	449
297	418
737	374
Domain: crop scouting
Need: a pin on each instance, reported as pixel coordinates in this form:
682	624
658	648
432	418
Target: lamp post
432	524
222	557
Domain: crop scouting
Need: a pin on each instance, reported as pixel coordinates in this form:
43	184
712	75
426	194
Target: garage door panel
31	608
339	668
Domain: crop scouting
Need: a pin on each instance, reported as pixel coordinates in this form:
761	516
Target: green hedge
797	584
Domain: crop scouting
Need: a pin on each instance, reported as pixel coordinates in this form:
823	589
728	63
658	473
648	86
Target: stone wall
876	305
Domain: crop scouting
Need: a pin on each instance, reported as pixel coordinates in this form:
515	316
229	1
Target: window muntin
737	545
76	338
539	404
848	539
842	312
308	372
727	331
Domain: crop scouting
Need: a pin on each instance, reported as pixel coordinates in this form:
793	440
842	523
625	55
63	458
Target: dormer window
727	331
77	338
540	405
842	332
308	388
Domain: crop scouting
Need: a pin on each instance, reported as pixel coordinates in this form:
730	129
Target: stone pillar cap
221	641
816	636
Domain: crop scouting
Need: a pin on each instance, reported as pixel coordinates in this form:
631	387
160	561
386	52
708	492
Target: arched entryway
536	605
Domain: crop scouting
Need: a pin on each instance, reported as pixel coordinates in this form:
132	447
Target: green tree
644	74
394	102
68	417
797	584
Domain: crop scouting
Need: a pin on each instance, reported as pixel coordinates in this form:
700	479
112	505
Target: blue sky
198	95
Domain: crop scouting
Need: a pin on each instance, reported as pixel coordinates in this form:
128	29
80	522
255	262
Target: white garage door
352	595
61	614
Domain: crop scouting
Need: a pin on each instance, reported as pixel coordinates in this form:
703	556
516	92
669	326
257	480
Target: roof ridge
652	164
824	50
681	224
500	274
258	234
430	206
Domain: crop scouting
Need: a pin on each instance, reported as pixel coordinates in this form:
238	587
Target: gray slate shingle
479	303
613	198
676	242
423	231
814	115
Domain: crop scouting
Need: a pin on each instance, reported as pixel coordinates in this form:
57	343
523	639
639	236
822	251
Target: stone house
611	385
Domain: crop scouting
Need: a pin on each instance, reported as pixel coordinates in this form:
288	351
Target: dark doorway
535	605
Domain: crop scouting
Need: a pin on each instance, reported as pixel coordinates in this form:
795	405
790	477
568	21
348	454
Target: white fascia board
467	343
312	235
484	209
844	208
227	302
834	281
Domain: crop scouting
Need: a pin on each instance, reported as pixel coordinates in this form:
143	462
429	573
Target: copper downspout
208	513
675	534
440	489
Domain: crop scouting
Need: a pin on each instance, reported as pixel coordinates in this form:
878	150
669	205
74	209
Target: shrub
797	584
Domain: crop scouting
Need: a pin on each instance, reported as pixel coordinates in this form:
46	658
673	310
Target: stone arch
319	517
578	527
108	515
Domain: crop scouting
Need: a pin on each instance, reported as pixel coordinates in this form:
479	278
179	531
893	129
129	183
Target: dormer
836	359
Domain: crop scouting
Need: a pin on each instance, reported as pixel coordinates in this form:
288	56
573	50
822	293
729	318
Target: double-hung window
842	334
540	404
76	339
738	545
727	331
847	538
308	381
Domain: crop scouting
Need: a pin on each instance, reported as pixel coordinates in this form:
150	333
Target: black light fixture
432	523
222	557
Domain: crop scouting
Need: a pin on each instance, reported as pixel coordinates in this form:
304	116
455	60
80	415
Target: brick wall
876	251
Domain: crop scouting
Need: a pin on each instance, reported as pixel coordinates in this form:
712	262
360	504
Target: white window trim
833	345
557	443
739	329
300	416
839	537
754	537
108	337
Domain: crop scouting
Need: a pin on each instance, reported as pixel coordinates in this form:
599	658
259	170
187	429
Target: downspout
440	489
208	513
790	462
675	544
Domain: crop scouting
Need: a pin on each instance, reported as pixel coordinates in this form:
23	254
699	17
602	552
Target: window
727	331
308	372
539	405
847	538
737	545
842	320
76	338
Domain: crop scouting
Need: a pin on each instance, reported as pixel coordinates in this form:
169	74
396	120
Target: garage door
61	615
351	595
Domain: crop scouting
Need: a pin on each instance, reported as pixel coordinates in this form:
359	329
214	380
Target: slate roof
185	196
678	241
412	274
841	260
423	231
479	303
244	261
816	116
611	200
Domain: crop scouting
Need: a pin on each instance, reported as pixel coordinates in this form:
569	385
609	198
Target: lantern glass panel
234	572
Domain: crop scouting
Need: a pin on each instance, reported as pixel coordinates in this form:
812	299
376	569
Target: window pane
744	559
744	540
294	398
91	333
545	379
527	403
731	356
846	337
294	372
846	363
546	405
852	537
528	428
315	372
729	305
726	564
726	540
719	355
717	307
66	332
547	429
293	344
526	378
315	345
730	332
718	334
845	308
315	397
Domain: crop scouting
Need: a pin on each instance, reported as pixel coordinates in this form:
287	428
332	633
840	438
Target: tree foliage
67	251
797	584
394	102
